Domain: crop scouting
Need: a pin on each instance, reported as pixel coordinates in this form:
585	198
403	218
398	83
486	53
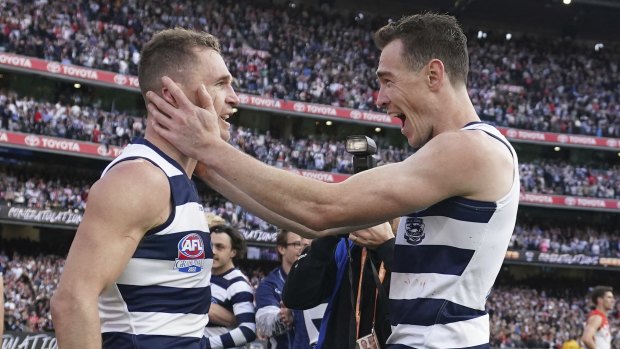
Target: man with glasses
273	320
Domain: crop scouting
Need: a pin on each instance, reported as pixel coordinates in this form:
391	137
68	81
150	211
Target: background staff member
322	274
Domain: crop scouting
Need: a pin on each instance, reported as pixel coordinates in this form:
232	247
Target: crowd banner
25	340
566	259
47	340
40	216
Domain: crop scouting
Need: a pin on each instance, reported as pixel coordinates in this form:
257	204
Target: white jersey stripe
443	336
185	219
469	235
144	151
137	273
423	285
163	324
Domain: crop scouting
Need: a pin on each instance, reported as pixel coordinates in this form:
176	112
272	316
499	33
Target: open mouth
400	116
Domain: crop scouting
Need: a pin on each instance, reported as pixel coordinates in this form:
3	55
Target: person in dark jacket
323	274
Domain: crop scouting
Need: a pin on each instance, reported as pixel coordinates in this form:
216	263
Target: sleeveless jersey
446	259
602	337
162	298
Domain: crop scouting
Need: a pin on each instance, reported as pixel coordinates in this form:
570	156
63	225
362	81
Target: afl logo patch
191	254
414	230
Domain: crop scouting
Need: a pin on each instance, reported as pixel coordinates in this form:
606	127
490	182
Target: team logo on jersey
191	254
414	230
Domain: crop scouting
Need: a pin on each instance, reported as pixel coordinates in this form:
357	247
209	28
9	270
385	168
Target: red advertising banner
70	71
569	201
318	110
328	177
13	61
560	138
60	145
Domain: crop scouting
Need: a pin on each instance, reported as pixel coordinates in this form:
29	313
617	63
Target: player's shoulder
131	180
135	173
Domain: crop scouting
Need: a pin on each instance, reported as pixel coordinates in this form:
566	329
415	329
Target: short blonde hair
213	220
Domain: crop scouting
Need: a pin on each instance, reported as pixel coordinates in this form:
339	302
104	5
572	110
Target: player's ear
166	95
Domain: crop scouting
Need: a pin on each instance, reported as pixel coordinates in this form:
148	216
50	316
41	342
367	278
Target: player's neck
601	309
223	269
455	111
187	163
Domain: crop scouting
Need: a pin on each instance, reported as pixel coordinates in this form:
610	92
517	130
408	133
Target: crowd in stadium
520	317
526	82
530	318
570	239
310	55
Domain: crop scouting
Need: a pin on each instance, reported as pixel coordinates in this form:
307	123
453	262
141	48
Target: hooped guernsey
162	298
446	259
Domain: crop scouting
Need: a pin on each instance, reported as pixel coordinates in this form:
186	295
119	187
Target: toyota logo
356	114
300	107
562	138
32	141
243	99
120	79
512	133
53	67
103	150
612	143
570	201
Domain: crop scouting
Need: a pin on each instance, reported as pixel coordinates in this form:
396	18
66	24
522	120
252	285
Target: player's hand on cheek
187	126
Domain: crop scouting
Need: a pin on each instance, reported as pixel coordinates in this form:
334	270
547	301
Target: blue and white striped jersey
232	291
162	298
446	259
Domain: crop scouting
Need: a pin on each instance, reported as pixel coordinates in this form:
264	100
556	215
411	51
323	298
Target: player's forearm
76	322
291	196
220	316
224	187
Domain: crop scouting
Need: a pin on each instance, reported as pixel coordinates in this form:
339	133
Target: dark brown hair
429	36
171	52
237	242
599	292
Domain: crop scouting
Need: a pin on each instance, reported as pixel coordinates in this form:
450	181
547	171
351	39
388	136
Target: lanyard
358	312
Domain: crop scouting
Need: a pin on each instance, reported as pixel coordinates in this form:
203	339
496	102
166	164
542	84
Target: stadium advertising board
36	65
560	138
25	340
58	145
40	216
566	259
257	235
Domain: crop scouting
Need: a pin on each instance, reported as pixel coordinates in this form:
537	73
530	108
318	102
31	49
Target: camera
363	149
